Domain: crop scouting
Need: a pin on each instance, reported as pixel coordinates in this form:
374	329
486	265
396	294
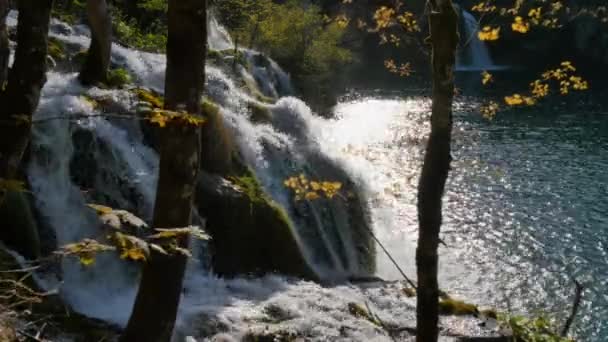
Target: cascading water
474	54
217	36
109	156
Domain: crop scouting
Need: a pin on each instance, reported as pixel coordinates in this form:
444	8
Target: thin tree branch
578	294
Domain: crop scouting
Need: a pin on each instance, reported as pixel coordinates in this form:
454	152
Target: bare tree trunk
153	316
443	24
25	81
96	66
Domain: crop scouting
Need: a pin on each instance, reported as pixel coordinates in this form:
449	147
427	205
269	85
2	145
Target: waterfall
474	54
112	159
217	36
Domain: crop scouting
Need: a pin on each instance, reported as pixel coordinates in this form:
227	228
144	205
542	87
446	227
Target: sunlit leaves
85	250
484	7
130	247
520	25
403	70
489	110
383	17
305	189
488	33
174	233
486	78
117	218
408	22
566	78
163	117
518	100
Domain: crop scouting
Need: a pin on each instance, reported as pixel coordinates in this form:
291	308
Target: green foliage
128	33
295	34
153	5
118	78
538	329
300	38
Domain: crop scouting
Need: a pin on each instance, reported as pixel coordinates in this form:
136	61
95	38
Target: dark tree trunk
25	81
153	316
443	24
95	68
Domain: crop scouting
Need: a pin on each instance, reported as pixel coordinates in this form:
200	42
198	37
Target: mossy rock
118	78
450	306
79	57
215	56
18	227
234	58
56	49
217	142
259	112
251	234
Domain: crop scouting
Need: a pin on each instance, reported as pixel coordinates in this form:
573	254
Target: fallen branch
578	294
392	260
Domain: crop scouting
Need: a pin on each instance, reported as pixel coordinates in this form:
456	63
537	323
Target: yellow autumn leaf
486	77
520	25
488	33
100	209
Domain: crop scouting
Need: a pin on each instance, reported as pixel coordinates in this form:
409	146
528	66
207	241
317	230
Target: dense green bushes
297	34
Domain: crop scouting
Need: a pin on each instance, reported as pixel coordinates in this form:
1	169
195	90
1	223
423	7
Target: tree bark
25	81
95	68
443	24
154	313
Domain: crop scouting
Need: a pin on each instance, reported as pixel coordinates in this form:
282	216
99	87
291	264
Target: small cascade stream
474	54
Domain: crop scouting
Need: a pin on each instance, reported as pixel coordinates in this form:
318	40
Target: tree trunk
95	68
443	24
25	81
153	316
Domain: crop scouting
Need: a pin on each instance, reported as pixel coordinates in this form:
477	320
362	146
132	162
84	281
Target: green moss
118	78
250	186
538	329
215	56
449	306
209	108
259	113
80	57
237	58
56	49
